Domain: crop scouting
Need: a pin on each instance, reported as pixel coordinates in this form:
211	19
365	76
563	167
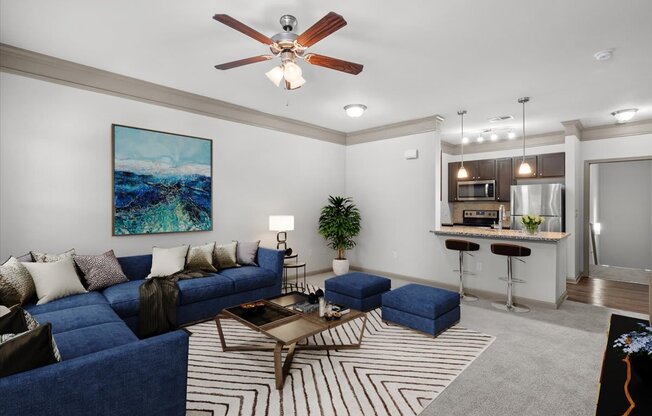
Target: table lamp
281	224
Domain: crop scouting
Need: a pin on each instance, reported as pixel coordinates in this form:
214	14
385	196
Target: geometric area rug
396	371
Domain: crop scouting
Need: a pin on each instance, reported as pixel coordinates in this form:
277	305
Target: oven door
476	190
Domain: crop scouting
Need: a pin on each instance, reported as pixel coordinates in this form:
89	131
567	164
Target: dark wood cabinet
552	165
485	170
504	179
531	160
452	181
505	172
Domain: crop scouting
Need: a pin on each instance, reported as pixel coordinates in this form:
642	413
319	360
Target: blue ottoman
424	308
357	290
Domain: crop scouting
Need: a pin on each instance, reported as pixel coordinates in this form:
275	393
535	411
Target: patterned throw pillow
224	255
101	271
16	284
246	253
201	258
51	258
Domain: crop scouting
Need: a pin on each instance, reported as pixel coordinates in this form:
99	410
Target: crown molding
547	139
35	65
573	128
610	131
390	131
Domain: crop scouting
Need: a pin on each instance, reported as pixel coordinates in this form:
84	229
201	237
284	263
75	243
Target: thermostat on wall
411	154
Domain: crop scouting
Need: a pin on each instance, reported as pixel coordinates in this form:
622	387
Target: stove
479	218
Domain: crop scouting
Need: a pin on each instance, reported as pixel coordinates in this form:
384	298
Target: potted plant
339	223
638	346
531	223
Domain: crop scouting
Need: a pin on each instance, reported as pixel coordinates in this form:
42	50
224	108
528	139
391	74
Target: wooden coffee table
287	327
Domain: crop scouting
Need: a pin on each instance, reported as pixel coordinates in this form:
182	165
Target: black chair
463	246
511	251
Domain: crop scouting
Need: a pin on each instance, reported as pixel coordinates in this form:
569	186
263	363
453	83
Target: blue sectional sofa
105	368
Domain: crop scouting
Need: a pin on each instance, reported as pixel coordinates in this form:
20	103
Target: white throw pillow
168	261
54	280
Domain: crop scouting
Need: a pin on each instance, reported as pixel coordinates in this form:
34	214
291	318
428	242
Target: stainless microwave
476	190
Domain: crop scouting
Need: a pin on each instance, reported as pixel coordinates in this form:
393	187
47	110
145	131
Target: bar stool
463	246
511	251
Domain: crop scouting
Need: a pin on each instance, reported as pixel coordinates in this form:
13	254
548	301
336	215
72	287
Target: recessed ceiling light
480	139
604	55
501	118
355	110
511	135
623	116
493	137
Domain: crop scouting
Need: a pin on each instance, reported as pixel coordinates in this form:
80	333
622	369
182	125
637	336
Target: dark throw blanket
158	303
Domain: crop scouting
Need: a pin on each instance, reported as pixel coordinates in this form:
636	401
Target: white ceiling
421	57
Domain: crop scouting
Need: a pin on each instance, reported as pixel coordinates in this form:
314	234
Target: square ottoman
361	291
424	308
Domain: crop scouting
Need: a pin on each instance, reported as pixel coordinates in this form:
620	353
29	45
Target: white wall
399	203
55	174
625	213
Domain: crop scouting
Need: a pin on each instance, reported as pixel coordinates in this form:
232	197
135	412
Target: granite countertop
501	235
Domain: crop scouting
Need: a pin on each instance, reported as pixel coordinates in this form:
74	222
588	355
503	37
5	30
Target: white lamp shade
524	169
275	75
292	72
281	222
296	84
462	173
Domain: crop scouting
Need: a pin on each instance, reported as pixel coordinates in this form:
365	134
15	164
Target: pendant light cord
524	130
462	137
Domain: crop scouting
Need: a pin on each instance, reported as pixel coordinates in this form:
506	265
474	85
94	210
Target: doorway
618	220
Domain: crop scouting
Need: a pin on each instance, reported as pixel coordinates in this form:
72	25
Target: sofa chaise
105	368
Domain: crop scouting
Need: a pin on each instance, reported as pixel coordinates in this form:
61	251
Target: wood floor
619	295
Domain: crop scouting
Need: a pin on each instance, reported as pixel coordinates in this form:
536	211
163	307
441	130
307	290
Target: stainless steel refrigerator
545	200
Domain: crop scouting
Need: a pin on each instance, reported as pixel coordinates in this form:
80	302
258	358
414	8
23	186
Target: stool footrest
514	280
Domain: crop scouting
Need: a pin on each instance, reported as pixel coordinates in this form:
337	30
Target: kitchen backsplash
457	208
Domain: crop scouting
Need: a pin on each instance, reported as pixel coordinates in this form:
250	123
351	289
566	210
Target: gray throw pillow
16	284
101	271
201	258
51	258
224	255
246	253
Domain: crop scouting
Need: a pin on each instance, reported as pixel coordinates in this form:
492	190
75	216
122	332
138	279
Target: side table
292	262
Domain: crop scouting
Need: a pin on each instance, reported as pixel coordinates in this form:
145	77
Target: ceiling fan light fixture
355	110
292	72
275	75
295	84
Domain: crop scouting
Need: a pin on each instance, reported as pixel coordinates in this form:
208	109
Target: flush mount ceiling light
501	118
355	110
462	173
525	168
289	47
623	116
604	55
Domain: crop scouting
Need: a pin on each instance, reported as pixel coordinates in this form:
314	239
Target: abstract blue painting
162	182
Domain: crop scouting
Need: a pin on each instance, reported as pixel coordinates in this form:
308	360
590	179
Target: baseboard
479	292
320	271
574	281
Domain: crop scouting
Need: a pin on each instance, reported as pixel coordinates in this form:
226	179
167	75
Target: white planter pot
340	267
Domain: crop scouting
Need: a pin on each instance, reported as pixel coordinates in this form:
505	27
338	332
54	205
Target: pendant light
525	168
462	173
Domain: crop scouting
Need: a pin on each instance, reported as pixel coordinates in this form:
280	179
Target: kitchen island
544	271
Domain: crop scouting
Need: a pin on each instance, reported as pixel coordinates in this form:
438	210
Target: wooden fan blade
333	63
242	28
328	24
245	61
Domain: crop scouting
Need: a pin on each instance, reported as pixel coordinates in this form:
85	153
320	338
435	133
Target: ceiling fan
289	47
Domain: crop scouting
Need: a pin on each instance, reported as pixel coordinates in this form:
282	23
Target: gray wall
625	212
55	174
